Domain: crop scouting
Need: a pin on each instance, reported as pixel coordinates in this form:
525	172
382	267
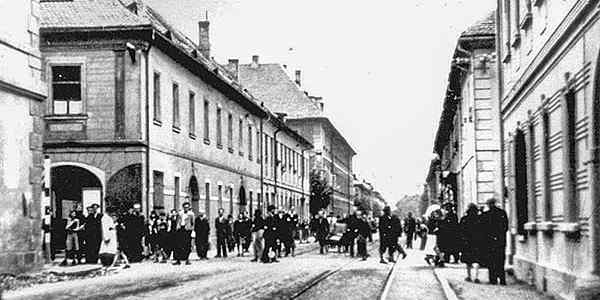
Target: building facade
466	165
138	113
22	93
548	55
331	152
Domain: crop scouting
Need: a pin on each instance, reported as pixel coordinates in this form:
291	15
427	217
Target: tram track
323	276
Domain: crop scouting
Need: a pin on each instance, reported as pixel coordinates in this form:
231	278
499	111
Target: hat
137	205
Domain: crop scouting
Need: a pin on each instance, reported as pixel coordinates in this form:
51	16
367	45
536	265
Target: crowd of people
478	239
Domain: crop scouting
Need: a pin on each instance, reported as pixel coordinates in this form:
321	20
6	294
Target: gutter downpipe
147	107
262	163
277	163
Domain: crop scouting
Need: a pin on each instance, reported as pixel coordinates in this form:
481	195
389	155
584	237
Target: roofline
281	125
155	37
325	119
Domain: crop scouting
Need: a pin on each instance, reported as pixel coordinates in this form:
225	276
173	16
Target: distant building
466	165
21	130
331	154
550	111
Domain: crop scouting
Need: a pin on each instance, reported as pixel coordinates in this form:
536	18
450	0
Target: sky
381	66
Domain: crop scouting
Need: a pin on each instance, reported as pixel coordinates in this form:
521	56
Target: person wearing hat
185	225
495	225
222	228
93	234
388	237
270	236
202	230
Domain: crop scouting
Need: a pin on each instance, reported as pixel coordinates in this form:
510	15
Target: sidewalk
53	272
456	274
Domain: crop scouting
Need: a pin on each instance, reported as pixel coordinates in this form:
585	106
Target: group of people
478	239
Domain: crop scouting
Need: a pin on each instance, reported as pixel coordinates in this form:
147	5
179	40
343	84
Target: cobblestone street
307	276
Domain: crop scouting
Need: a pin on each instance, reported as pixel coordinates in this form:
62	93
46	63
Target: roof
87	14
484	27
272	85
108	15
331	126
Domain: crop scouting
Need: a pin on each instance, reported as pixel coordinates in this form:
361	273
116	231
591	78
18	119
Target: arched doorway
73	187
124	188
194	194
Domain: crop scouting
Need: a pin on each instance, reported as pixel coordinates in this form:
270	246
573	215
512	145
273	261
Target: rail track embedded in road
327	274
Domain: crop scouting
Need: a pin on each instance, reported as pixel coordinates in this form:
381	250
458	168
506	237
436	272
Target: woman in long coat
472	237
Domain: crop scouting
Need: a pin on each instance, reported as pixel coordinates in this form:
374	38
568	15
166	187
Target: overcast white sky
381	66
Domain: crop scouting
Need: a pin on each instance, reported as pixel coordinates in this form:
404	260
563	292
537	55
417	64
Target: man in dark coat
287	236
270	236
222	228
410	226
134	231
387	235
93	234
202	230
364	231
320	227
495	225
352	224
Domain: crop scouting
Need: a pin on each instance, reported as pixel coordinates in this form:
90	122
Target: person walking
495	225
108	247
472	241
185	225
386	235
222	230
364	230
121	242
352	228
246	228
321	230
238	234
258	230
202	230
410	227
271	229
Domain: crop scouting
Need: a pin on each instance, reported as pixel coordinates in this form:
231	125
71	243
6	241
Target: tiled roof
487	26
87	14
272	85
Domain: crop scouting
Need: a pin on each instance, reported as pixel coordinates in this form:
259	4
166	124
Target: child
163	237
72	243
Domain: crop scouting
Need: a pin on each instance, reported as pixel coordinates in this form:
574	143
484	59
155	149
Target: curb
446	288
81	272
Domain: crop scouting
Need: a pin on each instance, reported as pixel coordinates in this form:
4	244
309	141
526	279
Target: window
207	197
266	149
258	142
66	90
241	136
176	196
220	196
175	106
156	97
206	122
250	142
219	131
192	113
230	132
158	187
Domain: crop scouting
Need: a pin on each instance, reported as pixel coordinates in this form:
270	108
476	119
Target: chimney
234	67
298	82
255	61
203	38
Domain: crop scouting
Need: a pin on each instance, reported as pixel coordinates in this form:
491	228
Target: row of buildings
521	122
104	102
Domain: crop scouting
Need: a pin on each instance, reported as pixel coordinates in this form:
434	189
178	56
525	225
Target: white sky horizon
380	66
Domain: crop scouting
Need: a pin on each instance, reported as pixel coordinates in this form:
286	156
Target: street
309	275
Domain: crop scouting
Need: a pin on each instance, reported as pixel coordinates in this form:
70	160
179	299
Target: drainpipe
275	150
147	107
262	163
594	166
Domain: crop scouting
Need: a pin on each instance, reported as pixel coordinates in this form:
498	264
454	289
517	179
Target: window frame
206	120
156	98
176	107
219	125
81	63
192	114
